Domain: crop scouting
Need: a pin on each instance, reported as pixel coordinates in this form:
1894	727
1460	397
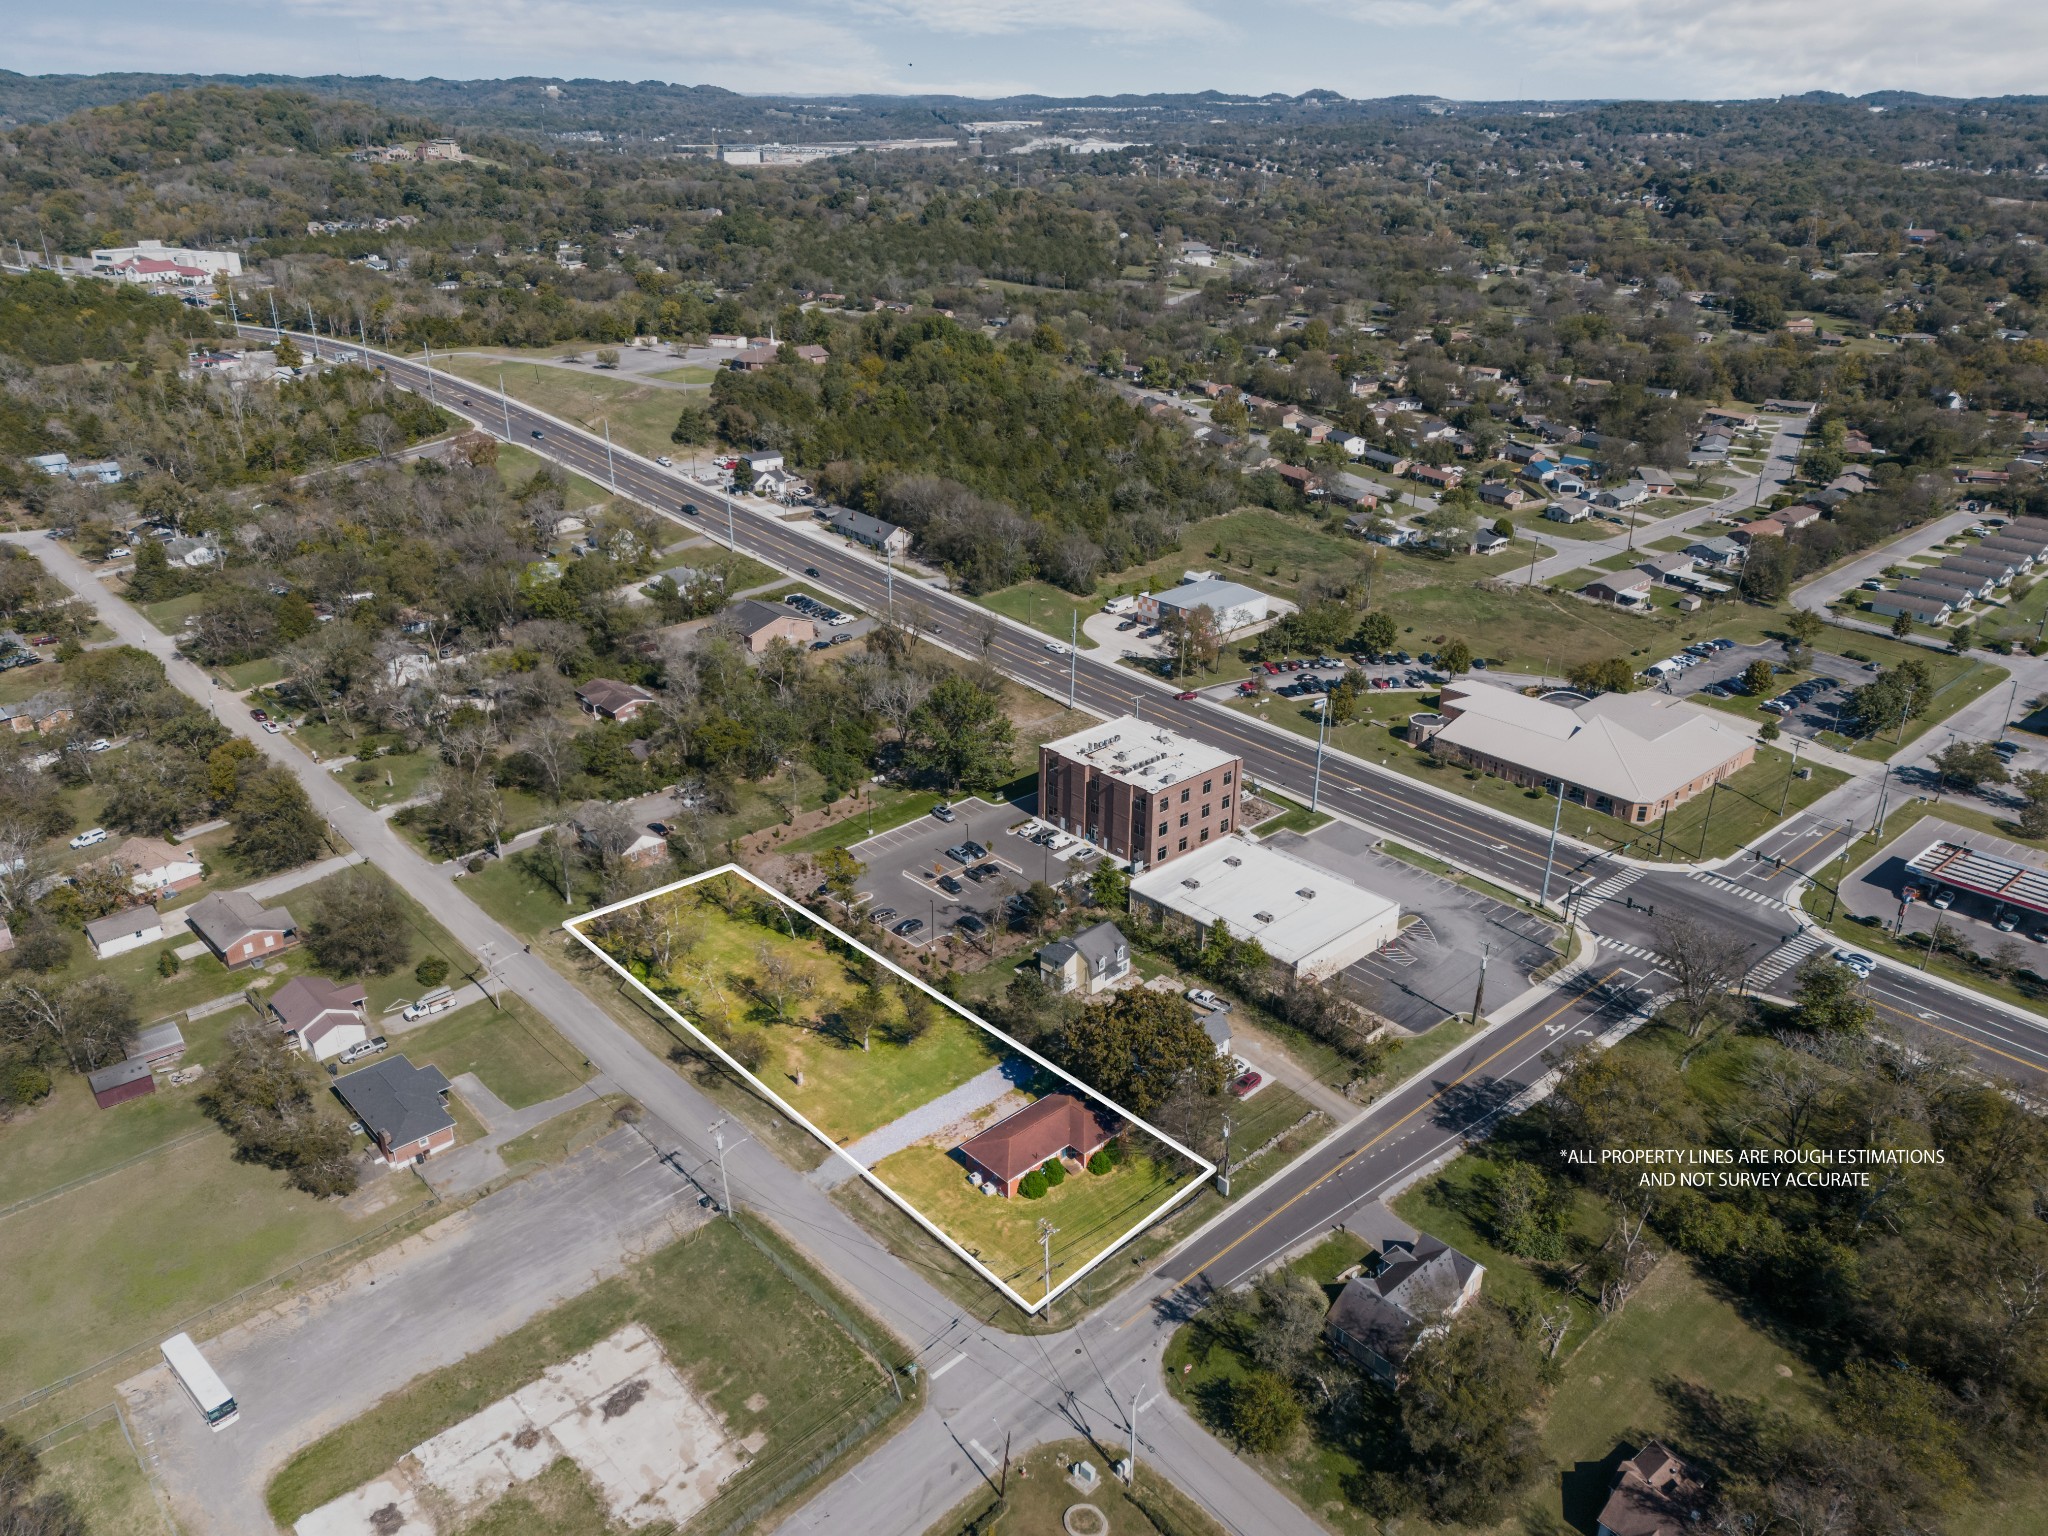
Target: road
1512	853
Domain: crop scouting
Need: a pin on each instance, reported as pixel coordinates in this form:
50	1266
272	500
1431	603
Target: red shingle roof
1018	1143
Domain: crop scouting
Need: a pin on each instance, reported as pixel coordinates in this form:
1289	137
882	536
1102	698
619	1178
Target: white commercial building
149	254
1307	919
1234	605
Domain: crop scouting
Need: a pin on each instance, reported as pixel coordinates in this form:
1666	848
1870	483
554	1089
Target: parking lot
1308	675
1824	705
914	875
1432	970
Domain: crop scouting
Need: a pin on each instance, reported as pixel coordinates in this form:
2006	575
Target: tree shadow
1584	1489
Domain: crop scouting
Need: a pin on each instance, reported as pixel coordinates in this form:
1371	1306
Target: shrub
476	865
1055	1172
167	963
431	972
1100	1162
23	1082
1032	1186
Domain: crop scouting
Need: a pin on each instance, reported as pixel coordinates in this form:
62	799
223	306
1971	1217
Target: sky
1466	49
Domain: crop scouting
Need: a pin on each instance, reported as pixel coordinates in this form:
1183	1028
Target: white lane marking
941	1370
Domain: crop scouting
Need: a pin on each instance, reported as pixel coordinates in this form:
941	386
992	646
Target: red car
1248	686
1270	666
258	716
1246	1084
1186	698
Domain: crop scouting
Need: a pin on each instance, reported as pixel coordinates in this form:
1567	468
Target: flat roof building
1138	790
1235	605
1306	918
1635	756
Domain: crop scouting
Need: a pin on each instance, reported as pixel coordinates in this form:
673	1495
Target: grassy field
1090	1210
640	414
260	673
1044	607
104	1481
117	1262
170	615
1039	1495
1743	809
515	1051
389	779
768	1357
517	466
564	1136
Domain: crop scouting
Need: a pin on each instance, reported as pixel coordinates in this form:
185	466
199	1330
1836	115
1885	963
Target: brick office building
1138	790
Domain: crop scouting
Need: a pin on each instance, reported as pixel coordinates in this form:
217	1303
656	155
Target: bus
205	1388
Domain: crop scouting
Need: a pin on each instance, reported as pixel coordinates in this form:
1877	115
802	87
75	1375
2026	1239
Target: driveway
956	1104
315	1362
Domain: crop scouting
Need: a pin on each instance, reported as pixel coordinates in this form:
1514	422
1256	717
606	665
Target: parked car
2008	919
88	839
969	923
974	851
908	927
943	811
1861	964
881	914
1944	898
1246	1084
1202	997
950	886
119	552
367	1048
271	727
959	855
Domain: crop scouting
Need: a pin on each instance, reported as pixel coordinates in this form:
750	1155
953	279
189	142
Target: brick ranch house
240	930
1058	1125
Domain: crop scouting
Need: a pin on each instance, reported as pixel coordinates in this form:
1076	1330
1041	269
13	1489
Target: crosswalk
1786	957
1735	888
1611	887
1635	950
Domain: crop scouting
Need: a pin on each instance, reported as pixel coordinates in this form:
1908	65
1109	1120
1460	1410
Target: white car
1861	964
271	727
119	552
1055	647
1202	997
100	745
664	461
87	839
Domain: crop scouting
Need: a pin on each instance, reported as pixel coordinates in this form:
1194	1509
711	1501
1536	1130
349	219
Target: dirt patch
527	1438
623	1401
756	1403
386	1521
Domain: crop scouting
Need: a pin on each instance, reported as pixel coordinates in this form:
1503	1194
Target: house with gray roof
403	1107
240	930
1086	962
1408	1287
876	533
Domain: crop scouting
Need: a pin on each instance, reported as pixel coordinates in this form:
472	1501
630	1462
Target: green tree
1110	887
262	1092
1831	1001
1140	1049
840	872
23	1511
743	477
1464	1417
1528	1213
1377	632
1969	764
960	737
2033	816
358	925
276	827
431	972
1055	1172
692	428
1261	1413
1759	678
1613	675
1902	625
1455	658
1033	1185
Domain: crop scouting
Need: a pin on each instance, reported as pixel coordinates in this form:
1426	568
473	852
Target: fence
93	1178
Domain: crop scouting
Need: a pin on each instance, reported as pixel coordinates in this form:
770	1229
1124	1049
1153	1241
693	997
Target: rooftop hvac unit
1233	860
1306	894
1264	917
1193	885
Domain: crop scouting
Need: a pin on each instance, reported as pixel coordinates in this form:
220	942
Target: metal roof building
1984	874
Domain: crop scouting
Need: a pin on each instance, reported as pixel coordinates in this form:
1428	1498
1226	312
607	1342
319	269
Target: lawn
515	1051
170	615
641	415
565	1135
771	1358
1039	1495
105	1482
843	1090
688	375
1090	1210
389	779
517	466
119	1262
1293	817
260	673
1044	607
1742	809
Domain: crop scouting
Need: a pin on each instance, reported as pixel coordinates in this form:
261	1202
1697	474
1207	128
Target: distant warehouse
1636	756
1305	918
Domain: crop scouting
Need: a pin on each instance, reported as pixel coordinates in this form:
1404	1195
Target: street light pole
1550	858
611	469
1790	772
1315	798
1073	654
1046	1232
1479	997
505	404
724	1187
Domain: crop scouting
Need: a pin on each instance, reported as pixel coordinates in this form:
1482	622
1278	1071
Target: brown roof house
240	930
1655	1494
321	1017
156	868
1410	1286
1058	1125
610	699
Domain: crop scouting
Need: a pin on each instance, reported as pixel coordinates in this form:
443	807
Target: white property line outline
1206	1169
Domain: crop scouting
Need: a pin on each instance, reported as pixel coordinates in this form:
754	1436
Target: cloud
1743	48
1179	20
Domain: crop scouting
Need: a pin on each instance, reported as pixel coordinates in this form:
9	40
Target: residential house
1487	540
1410	1286
1499	493
403	1107
760	625
1350	442
156	868
876	533
1709	448
1955	590
239	929
1568	509
1800	515
1920	608
161	1045
1302	480
321	1017
1654	1494
1665	567
1758	528
1059	1125
1656	481
119	932
1354	491
609	699
1742	421
44	712
1856	445
1088	962
764	461
1720	552
1438	479
1619	498
1626	589
193	554
1378	528
1393	463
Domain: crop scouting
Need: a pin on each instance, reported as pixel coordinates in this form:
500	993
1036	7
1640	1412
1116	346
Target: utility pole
1131	1464
1223	1172
1841	872
732	534
505	404
1315	794
1073	653
1707	820
273	315
725	1188
889	576
1790	773
1479	997
611	469
1046	1232
1550	858
313	330
430	372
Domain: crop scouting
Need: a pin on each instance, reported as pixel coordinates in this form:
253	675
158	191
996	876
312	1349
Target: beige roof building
1631	755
